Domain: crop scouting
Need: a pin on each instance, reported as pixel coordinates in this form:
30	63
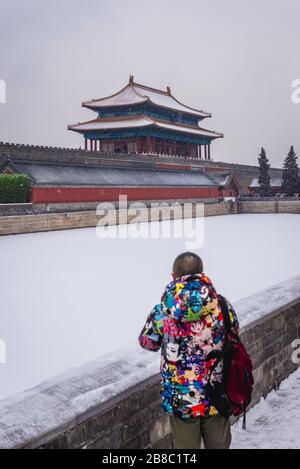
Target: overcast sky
234	58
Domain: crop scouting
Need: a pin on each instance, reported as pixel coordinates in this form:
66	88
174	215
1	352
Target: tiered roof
135	93
183	119
123	122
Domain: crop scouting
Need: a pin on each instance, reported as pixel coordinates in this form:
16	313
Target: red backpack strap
225	312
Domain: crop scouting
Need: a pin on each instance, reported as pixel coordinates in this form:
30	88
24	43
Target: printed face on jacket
172	352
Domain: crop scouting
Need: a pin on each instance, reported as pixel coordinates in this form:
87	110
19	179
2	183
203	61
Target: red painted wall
229	193
99	194
177	167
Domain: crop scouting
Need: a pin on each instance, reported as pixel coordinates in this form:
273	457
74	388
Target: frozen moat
68	297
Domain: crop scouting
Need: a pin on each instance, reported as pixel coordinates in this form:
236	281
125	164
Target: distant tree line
290	184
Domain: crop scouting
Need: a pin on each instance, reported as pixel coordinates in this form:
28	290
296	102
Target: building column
195	147
205	152
148	144
152	145
208	151
85	144
164	146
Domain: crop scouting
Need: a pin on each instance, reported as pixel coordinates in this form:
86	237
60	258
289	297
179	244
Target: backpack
233	395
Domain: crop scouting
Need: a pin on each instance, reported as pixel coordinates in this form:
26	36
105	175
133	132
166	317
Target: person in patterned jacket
187	325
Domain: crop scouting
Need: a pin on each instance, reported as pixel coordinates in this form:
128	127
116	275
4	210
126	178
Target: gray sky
234	58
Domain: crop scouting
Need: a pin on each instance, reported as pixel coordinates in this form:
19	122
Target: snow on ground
68	297
274	423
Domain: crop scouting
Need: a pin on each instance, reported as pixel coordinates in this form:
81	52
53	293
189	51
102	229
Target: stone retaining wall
84	215
253	206
267	205
21	224
289	206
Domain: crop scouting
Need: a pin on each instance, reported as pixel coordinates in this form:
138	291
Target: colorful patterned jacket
187	325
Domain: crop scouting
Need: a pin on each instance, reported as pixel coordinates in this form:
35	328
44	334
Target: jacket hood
187	298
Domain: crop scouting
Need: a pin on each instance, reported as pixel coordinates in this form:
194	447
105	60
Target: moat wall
28	218
38	222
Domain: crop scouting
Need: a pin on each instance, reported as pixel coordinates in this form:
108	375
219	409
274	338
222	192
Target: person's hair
187	263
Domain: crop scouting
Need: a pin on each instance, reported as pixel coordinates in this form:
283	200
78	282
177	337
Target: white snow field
68	297
274	423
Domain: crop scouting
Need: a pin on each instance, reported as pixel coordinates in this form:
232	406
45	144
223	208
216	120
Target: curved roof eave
95	104
204	113
73	127
194	112
181	129
92	101
212	137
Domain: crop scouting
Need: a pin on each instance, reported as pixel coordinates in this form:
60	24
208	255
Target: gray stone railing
114	402
243	205
16	209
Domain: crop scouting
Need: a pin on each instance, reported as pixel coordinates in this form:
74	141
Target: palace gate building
143	143
141	119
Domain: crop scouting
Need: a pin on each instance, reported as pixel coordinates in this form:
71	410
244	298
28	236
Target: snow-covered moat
274	423
69	297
